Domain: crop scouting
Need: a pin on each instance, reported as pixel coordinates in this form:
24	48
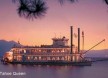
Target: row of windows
42	51
33	58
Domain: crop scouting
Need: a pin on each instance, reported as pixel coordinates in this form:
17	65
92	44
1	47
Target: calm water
97	70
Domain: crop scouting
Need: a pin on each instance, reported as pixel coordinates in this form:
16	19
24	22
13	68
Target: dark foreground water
97	70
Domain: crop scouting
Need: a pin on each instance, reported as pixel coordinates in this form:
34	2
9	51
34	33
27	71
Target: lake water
97	70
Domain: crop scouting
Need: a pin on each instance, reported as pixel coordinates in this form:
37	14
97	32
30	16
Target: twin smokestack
71	38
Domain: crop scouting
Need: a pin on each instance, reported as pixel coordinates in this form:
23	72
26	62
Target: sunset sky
89	15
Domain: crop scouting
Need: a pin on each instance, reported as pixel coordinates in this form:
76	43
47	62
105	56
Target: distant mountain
6	46
97	53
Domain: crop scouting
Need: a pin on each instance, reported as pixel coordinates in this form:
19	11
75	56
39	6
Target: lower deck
83	63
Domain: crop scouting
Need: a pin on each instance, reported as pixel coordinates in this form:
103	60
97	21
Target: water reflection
97	70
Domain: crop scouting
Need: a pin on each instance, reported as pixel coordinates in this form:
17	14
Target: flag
75	35
82	33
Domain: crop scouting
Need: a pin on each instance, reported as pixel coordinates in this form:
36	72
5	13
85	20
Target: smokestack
78	40
71	38
83	40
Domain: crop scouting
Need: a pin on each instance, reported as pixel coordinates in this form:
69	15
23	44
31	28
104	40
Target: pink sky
90	15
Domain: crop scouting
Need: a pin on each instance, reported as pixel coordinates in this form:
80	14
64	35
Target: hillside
6	46
97	53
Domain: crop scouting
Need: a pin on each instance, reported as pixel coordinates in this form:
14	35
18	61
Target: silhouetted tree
62	1
106	1
31	9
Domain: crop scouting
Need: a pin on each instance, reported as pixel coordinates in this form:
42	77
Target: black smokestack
71	34
78	40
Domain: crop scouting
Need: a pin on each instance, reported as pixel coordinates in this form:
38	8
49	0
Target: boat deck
85	63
